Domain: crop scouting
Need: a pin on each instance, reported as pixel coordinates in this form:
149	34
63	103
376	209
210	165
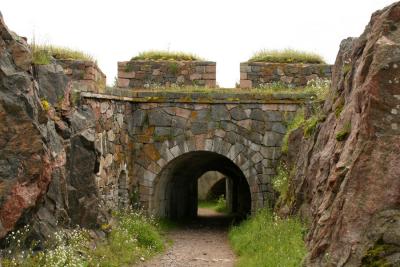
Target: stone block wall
255	74
86	76
113	179
146	74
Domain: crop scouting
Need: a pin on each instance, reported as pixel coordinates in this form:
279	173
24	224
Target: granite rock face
347	184
48	160
25	159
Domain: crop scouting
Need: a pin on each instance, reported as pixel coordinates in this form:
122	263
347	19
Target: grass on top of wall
286	56
166	55
267	240
42	54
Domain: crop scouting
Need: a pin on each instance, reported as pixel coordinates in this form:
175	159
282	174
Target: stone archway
175	187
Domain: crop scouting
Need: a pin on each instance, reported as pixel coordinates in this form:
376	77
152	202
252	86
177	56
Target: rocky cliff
48	159
347	182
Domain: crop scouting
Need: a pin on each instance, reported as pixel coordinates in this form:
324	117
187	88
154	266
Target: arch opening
176	187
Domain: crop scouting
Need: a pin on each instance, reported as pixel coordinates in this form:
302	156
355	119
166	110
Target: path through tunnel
176	192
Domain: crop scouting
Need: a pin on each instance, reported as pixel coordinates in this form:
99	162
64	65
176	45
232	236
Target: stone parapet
86	76
166	73
257	74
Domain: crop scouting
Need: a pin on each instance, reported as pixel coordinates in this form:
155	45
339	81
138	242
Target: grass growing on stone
166	55
267	240
295	123
42	54
286	56
132	238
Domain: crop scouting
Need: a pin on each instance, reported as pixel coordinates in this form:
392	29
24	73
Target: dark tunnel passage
176	194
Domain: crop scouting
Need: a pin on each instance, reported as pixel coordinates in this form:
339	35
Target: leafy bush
42	54
267	240
165	55
286	56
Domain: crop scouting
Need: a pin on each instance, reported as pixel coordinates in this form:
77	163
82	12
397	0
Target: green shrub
267	240
165	55
286	56
42	54
219	205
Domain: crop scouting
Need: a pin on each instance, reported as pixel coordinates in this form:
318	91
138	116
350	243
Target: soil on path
203	242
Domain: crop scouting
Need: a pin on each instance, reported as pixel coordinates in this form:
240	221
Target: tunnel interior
176	192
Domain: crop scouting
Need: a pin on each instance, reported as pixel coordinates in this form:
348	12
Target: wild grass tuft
286	56
267	240
42	54
166	55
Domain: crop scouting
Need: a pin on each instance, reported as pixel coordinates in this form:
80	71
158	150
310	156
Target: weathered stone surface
255	74
148	73
348	188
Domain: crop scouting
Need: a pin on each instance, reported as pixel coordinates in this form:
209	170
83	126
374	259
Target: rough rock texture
348	181
25	159
48	159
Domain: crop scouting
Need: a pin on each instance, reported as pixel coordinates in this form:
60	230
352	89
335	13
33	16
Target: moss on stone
376	255
344	132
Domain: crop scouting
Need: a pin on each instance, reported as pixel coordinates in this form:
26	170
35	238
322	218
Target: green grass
131	238
42	54
266	240
280	181
218	205
286	56
166	55
295	123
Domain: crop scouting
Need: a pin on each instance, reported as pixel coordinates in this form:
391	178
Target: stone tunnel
163	142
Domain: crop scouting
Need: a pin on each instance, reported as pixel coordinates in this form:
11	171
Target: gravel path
203	242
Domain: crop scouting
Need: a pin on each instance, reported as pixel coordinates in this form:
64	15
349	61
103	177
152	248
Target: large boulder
347	184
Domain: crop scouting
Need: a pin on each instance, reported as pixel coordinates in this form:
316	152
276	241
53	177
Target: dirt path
203	242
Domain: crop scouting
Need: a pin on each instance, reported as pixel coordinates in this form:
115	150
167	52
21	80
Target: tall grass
165	55
266	240
132	238
286	56
42	54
